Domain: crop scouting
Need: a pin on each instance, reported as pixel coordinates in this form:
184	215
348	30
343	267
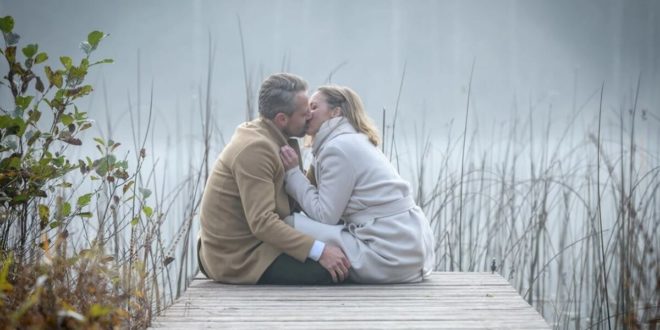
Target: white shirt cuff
316	250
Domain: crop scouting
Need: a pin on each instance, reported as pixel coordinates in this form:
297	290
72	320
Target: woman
384	234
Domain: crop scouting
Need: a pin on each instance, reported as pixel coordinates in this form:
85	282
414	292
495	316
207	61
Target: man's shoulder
251	142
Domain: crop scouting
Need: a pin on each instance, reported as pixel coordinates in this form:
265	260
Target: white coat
386	237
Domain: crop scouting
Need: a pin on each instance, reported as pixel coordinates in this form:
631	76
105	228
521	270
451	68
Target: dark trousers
199	261
288	271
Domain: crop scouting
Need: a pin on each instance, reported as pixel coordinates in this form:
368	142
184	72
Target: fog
538	55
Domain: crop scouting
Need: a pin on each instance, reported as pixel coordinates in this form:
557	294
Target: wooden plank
445	301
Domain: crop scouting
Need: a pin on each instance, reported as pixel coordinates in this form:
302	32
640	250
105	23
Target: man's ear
281	119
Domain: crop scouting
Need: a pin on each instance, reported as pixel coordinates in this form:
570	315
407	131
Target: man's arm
254	169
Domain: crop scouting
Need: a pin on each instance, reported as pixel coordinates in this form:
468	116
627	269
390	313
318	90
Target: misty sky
547	55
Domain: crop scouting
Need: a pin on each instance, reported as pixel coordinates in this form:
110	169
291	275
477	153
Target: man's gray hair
277	92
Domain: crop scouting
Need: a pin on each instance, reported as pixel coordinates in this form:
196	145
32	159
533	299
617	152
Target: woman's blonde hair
351	108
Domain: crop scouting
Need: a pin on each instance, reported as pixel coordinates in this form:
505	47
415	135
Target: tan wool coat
243	205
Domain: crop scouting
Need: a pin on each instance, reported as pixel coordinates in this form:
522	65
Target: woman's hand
289	157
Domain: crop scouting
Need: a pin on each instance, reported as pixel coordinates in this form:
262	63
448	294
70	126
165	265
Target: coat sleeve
327	201
254	171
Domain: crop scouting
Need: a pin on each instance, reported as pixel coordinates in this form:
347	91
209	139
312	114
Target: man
244	238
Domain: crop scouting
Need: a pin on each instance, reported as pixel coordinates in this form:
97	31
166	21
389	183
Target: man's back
243	204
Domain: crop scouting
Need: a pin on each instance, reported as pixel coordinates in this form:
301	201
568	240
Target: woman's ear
336	112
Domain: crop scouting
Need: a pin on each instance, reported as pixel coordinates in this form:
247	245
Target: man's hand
289	157
335	261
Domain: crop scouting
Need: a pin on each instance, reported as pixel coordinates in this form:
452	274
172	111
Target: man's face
297	123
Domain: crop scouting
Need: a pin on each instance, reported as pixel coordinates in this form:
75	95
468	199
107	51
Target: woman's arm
327	202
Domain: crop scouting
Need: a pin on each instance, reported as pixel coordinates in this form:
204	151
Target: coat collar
272	130
330	129
276	135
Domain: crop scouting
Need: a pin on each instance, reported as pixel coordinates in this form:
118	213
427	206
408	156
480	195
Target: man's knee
286	270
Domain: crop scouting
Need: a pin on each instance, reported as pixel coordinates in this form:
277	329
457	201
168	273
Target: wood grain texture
448	300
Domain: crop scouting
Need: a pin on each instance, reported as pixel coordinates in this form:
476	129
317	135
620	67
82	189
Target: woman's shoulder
349	143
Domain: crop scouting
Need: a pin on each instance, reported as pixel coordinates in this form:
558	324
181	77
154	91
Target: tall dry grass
572	223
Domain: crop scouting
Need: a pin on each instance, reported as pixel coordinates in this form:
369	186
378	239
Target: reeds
573	225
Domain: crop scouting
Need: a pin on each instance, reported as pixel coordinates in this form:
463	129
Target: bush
48	277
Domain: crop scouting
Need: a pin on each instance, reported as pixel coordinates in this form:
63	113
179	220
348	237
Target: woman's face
321	112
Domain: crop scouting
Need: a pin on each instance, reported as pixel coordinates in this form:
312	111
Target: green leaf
22	102
66	119
33	138
99	141
66	61
7	24
78	114
34	116
76	76
85	126
19	199
104	164
14	125
14	163
123	164
66	209
85	214
148	211
104	61
30	50
10	54
6	121
5	285
84	64
59	161
55	78
94	38
44	213
83	200
39	85
65	184
54	224
135	221
77	92
41	57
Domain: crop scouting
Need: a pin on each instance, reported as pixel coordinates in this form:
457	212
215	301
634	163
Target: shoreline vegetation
571	223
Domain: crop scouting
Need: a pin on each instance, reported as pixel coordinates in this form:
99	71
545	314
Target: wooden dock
449	300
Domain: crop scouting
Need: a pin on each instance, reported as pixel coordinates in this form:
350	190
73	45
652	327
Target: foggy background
538	66
544	55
